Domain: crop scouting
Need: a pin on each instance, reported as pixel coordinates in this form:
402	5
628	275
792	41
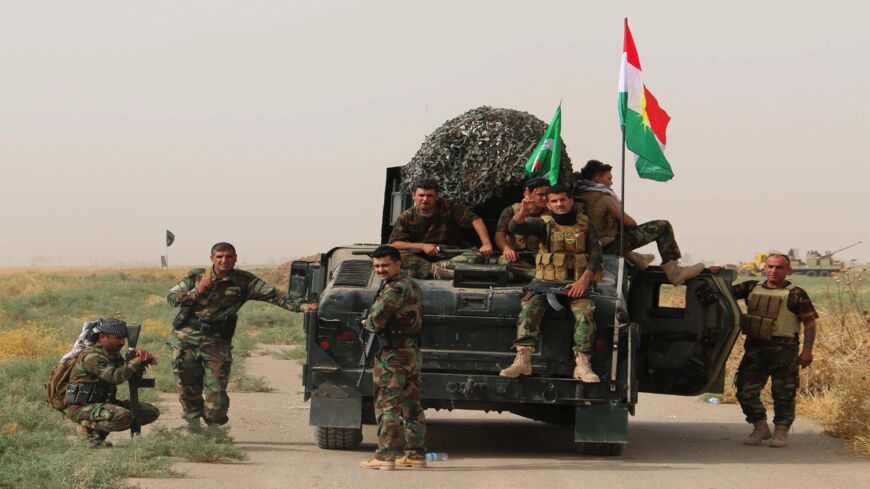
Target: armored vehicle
646	342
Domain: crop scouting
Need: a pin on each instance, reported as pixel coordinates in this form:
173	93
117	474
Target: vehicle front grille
355	273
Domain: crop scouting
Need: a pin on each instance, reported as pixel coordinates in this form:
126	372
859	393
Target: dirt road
674	443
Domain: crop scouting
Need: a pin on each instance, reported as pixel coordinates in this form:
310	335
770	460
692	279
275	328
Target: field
41	313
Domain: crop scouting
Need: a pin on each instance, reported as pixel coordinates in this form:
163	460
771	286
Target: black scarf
565	219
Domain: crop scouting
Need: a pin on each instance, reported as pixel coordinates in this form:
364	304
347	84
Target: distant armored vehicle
815	264
646	342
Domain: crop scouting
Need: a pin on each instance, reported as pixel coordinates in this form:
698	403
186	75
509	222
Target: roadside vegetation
835	389
41	313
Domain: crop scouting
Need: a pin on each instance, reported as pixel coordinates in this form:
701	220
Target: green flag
544	161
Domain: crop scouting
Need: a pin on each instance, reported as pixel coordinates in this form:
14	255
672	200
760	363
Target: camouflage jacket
225	298
537	227
444	226
798	301
504	220
94	365
398	307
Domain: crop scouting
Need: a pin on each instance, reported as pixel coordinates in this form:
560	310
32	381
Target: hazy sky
269	124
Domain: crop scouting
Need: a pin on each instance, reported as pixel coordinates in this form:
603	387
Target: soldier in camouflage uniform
569	255
603	208
201	347
423	230
518	251
396	316
775	310
98	369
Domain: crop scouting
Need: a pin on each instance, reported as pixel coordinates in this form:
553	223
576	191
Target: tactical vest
596	211
563	256
767	314
522	241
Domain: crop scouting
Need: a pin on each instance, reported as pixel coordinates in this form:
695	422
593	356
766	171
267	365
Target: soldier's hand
429	249
486	250
309	307
509	254
805	358
204	285
143	357
528	205
578	288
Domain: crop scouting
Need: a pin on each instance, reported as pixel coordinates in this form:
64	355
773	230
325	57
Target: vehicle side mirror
300	279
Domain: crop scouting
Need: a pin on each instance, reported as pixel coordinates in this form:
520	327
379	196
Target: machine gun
137	381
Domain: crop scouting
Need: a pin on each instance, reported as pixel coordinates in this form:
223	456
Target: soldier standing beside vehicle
603	208
396	316
93	380
569	255
201	347
521	265
432	222
775	310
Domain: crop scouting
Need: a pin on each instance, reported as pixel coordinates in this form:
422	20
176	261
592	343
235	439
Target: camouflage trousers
659	231
533	308
202	372
397	382
111	416
777	359
418	267
521	270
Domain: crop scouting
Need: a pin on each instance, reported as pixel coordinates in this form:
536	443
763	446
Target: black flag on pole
170	238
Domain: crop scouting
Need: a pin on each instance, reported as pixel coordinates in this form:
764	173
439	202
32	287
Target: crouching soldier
93	380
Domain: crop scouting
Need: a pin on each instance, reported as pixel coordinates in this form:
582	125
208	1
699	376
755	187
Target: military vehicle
645	343
815	264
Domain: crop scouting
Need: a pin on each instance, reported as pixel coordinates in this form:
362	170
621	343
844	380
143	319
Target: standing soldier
93	381
396	316
775	310
518	250
201	347
569	255
433	222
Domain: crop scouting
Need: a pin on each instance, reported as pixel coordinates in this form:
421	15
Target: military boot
780	436
412	461
441	272
583	371
677	274
640	261
759	433
522	363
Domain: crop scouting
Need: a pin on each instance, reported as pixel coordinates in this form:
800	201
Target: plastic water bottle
436	456
713	400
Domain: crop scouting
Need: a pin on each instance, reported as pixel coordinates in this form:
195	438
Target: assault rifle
136	381
367	339
553	293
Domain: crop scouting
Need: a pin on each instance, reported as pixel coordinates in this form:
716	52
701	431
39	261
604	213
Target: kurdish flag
642	119
544	161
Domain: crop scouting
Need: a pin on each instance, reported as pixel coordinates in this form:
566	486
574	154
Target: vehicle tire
601	449
811	273
824	274
331	438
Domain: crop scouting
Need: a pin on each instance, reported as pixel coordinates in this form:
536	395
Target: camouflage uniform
524	267
448	225
202	360
94	366
535	305
397	312
776	358
604	210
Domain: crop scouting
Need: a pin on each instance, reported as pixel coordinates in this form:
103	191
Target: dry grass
30	341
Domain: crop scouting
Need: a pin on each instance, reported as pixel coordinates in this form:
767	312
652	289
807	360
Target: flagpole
617	322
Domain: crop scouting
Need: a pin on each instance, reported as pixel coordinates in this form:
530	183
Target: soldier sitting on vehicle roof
433	222
603	208
518	250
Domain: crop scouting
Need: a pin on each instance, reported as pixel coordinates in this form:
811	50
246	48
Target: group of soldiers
556	236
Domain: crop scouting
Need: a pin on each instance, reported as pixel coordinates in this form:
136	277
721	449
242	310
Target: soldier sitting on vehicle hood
432	222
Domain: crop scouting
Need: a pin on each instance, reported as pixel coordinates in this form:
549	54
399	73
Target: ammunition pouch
78	394
184	314
226	328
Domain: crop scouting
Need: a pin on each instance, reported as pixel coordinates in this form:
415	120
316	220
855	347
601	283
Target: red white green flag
643	120
545	159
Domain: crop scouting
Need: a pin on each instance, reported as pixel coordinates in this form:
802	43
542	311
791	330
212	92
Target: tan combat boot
780	436
759	433
677	274
583	371
414	463
640	261
378	464
522	363
441	272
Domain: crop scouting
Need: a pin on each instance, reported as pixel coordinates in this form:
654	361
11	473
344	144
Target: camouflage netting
480	154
